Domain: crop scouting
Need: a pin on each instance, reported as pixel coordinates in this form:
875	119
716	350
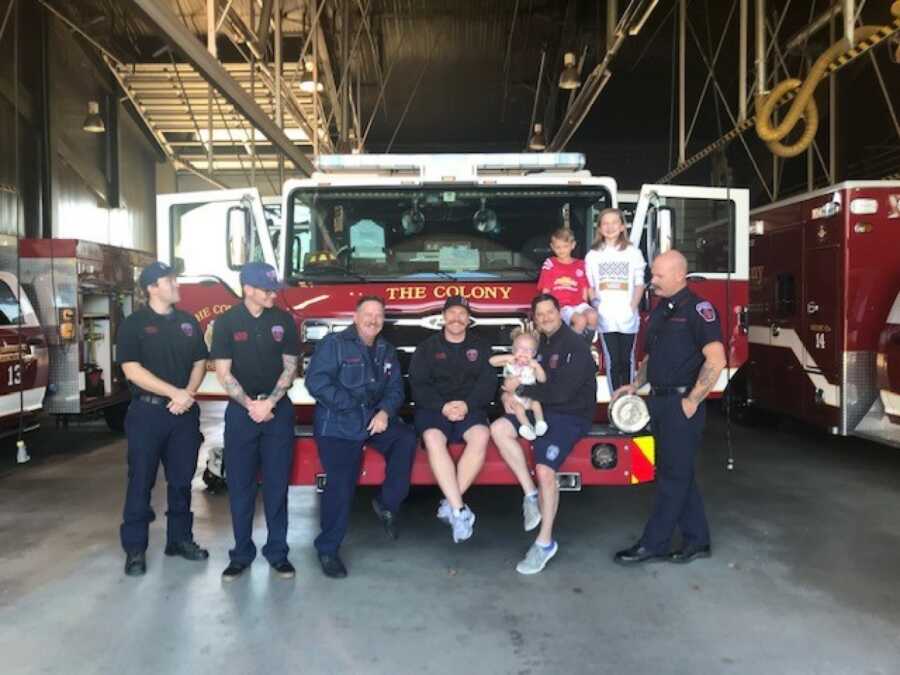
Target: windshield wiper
328	270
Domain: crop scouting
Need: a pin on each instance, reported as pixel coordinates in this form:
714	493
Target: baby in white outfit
522	365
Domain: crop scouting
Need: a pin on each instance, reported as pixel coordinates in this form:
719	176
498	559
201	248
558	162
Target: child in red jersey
564	277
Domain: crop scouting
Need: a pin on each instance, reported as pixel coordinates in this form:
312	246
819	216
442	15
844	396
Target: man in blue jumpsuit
163	356
685	356
355	378
255	346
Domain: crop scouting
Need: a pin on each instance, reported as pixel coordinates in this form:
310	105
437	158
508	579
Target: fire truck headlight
313	330
604	456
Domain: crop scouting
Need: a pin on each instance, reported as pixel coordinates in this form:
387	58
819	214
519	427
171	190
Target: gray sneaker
444	512
536	559
531	512
463	524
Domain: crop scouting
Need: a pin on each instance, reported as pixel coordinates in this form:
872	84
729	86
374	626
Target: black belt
668	391
154	400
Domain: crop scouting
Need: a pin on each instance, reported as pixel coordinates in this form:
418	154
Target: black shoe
135	564
332	566
187	549
689	553
284	569
233	571
387	518
637	554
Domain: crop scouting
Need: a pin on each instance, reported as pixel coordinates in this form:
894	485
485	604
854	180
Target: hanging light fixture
569	78
93	122
307	84
537	142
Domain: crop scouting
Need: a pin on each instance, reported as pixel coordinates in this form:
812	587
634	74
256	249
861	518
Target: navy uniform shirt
442	371
678	330
167	345
571	386
255	346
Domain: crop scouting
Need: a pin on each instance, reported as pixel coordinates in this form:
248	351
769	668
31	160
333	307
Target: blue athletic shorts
434	419
563	431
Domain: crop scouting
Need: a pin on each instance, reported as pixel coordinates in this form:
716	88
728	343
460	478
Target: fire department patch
440	356
554	360
187	329
241	336
707	311
472	354
278	332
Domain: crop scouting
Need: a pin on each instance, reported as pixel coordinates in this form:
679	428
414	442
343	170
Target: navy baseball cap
456	301
154	272
260	275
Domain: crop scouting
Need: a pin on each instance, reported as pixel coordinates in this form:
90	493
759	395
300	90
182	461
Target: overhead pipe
804	104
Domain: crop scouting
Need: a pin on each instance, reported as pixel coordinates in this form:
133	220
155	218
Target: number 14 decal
820	340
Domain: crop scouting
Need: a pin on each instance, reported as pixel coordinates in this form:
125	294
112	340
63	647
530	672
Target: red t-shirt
566	282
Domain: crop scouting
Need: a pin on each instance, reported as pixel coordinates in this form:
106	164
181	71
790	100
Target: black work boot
187	549
135	564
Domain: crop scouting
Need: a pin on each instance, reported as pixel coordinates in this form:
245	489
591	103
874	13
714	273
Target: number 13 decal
14	374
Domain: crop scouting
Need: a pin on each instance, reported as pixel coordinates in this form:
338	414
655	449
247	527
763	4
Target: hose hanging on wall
804	104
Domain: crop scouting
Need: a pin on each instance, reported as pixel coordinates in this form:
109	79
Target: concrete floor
803	579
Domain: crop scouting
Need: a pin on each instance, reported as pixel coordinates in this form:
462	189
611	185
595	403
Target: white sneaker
444	512
531	512
536	559
526	432
463	524
540	428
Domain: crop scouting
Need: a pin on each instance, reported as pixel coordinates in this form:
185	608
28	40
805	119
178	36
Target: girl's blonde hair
563	234
516	333
622	242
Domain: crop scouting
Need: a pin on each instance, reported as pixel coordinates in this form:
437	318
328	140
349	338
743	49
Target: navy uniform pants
341	460
155	435
678	501
253	450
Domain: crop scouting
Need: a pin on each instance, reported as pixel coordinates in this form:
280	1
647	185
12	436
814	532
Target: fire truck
824	318
416	229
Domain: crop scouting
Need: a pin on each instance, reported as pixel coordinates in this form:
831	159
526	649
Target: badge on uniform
278	332
241	336
707	311
440	356
472	354
151	330
187	329
554	360
387	367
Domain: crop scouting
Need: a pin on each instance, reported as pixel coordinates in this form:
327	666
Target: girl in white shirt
615	271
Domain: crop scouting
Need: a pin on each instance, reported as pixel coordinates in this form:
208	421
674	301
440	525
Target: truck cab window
9	306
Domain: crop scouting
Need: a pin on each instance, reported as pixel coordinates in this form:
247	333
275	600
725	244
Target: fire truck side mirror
665	228
178	265
239	236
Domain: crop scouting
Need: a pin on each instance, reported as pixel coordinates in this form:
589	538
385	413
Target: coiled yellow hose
804	105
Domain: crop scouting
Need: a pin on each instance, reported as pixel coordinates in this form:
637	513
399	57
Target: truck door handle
812	307
776	331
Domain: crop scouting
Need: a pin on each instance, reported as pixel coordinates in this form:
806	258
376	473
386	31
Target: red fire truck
416	229
824	338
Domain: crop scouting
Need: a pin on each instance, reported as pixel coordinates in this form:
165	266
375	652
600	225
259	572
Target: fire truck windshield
421	233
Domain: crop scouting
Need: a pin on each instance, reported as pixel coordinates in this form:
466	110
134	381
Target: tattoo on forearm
235	391
640	379
706	380
286	379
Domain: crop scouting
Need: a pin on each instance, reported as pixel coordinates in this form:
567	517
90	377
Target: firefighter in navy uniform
685	356
355	378
256	347
163	355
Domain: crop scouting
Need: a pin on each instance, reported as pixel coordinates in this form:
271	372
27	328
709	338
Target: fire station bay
450	337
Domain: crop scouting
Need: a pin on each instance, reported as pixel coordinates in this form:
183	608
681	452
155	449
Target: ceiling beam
178	35
265	20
